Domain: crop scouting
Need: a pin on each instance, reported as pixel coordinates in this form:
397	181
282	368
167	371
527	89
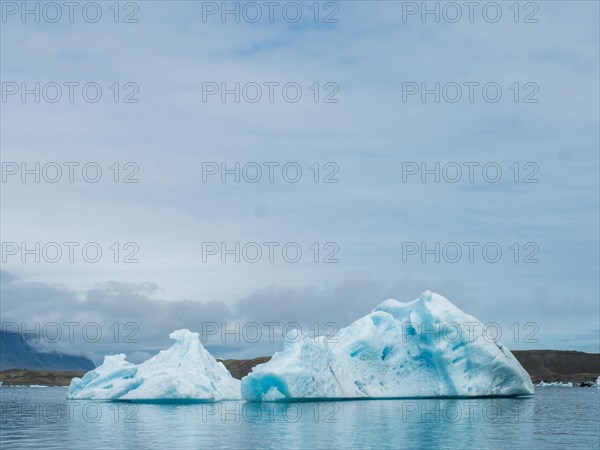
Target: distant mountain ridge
559	365
16	353
542	365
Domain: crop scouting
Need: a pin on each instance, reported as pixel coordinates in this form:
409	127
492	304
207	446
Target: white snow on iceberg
184	372
395	351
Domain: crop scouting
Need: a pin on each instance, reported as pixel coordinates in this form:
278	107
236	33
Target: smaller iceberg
184	372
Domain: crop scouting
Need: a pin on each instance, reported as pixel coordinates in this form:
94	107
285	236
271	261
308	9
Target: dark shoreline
542	365
559	365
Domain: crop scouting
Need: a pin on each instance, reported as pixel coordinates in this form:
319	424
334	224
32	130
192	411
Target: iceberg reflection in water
43	418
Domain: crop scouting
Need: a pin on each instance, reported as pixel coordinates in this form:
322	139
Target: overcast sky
372	225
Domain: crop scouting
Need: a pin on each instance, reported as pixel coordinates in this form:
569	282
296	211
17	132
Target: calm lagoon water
553	418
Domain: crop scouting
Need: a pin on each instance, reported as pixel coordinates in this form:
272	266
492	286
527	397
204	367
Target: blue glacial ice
424	348
184	372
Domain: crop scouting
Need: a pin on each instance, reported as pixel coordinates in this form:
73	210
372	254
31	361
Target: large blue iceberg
184	372
424	348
